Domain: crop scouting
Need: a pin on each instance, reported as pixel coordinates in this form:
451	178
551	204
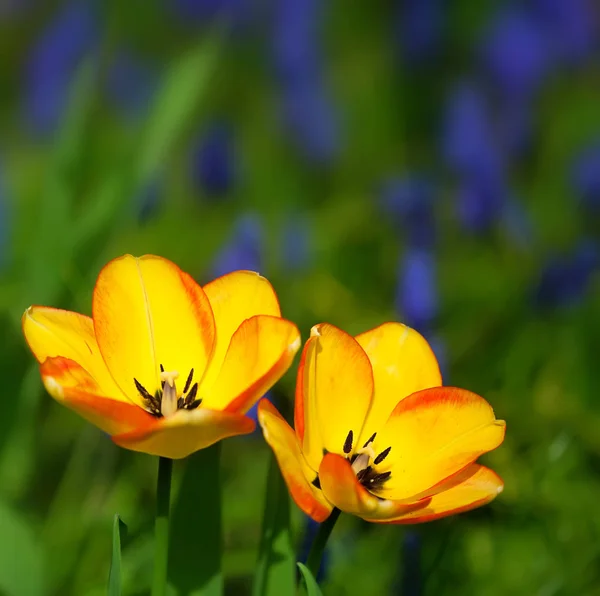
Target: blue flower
296	249
417	295
214	164
209	11
517	224
409	201
412	581
480	202
130	84
564	279
585	176
517	54
307	109
571	25
244	250
419	27
52	62
469	145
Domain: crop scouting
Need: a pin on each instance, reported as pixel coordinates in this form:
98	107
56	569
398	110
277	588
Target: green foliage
114	577
312	588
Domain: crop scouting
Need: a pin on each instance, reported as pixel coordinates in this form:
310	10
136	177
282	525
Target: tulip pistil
165	400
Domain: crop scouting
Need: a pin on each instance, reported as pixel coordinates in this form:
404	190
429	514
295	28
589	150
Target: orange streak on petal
473	487
185	432
73	387
341	487
295	471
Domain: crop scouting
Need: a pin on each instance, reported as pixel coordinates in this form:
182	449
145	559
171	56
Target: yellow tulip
377	436
164	366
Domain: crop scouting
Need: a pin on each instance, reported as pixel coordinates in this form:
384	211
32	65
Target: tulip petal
296	473
234	298
185	432
474	487
433	434
73	387
148	312
51	332
402	363
260	352
333	393
342	488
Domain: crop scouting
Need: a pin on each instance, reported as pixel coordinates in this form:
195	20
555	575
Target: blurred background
432	162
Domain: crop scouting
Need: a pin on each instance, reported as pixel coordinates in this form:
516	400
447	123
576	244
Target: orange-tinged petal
294	469
234	298
148	312
185	432
333	393
433	434
474	487
260	352
341	487
402	363
73	387
51	332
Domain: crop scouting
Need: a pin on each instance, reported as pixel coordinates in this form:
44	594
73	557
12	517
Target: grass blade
114	576
312	588
275	567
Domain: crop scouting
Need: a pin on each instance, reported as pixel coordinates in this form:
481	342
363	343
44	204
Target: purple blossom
205	12
517	54
52	62
419	27
571	25
585	176
479	203
130	84
409	201
214	161
244	249
564	279
307	110
296	249
469	145
417	295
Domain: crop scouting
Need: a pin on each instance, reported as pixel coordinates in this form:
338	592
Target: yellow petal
341	487
433	434
184	433
333	393
260	352
51	332
295	471
234	298
73	387
148	312
402	362
474	487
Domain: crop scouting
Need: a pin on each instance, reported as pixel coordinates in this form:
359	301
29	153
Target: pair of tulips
168	367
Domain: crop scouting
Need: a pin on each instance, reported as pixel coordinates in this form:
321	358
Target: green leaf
275	569
195	544
21	557
114	576
183	87
48	251
312	588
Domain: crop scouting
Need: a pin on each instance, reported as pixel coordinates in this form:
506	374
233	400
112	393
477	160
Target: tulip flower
164	366
377	436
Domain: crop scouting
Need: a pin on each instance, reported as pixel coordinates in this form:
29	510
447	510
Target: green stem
161	527
313	562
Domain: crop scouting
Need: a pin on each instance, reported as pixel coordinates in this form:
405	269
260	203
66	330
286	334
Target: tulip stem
161	527
313	562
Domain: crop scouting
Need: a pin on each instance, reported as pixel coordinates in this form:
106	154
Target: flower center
361	463
166	400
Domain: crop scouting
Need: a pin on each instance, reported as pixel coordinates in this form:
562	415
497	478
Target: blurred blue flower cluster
307	109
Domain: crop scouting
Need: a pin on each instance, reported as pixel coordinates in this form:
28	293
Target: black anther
382	456
348	442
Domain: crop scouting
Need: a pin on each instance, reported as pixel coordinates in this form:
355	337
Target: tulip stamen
382	455
348	442
165	401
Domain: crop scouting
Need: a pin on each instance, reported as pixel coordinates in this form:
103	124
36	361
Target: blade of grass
275	567
312	588
114	576
196	535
